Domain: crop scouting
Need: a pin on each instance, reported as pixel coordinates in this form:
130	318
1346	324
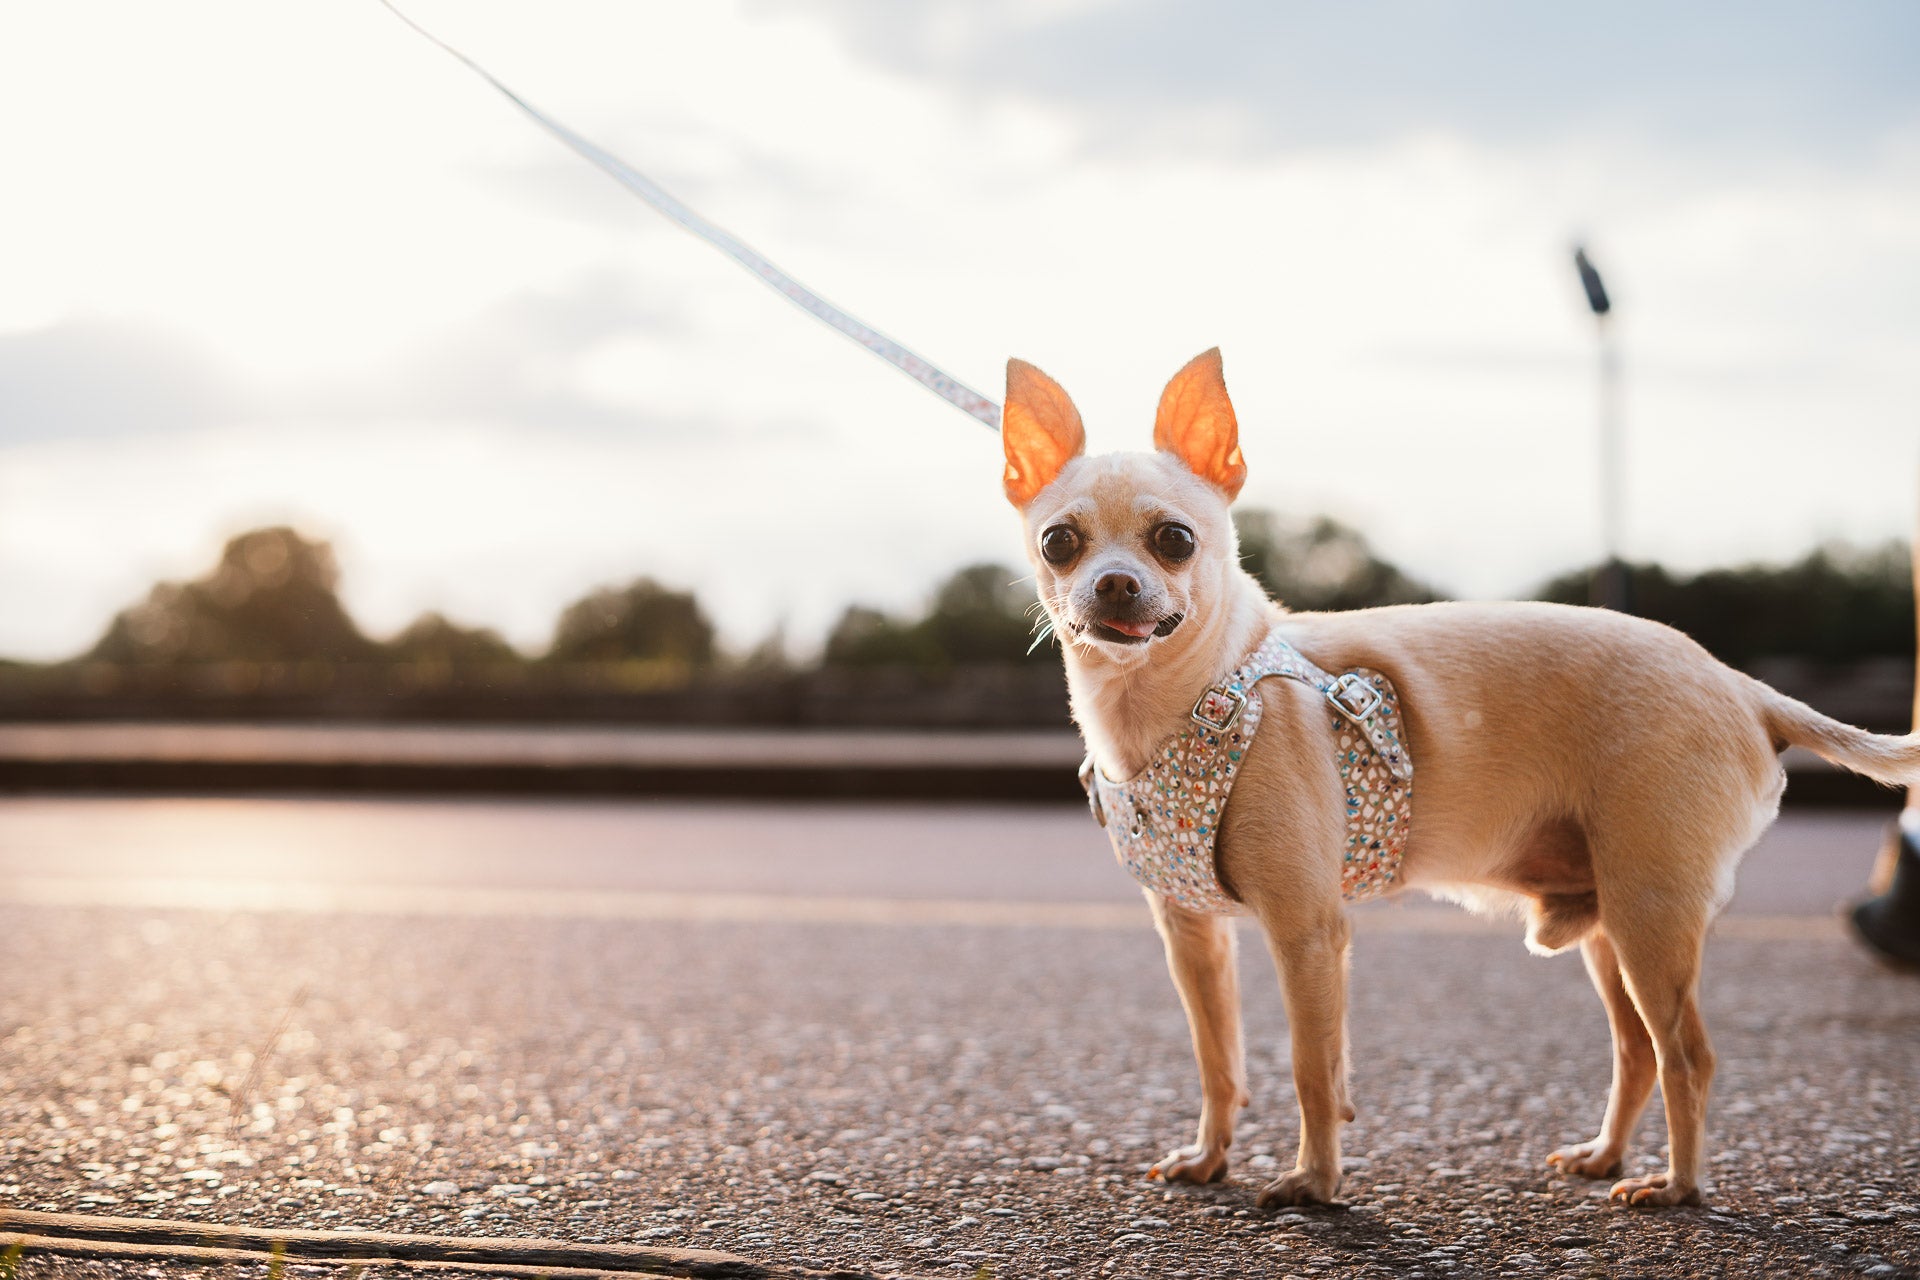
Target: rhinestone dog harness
1164	820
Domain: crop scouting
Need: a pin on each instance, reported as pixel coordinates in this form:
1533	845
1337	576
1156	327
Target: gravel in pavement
920	1099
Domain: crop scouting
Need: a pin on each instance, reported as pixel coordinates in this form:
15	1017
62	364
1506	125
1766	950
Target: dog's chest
1165	820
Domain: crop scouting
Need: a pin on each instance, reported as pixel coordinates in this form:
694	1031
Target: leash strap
915	366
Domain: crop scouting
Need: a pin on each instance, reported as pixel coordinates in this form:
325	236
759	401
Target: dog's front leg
1201	956
1310	951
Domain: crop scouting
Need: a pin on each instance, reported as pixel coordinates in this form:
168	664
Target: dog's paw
1654	1191
1297	1187
1588	1160
1195	1164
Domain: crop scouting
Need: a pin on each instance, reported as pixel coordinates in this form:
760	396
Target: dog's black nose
1113	586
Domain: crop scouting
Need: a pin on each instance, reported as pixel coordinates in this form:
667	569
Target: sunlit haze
289	263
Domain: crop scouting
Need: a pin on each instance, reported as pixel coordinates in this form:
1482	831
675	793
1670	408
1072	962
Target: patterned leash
915	366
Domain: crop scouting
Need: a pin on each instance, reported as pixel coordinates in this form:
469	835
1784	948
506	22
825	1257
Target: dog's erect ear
1041	430
1196	424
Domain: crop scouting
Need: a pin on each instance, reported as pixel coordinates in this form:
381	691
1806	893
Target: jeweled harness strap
1360	696
1164	821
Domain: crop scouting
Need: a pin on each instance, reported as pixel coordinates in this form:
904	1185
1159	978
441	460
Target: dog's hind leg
1633	1069
1659	948
1201	957
1311	954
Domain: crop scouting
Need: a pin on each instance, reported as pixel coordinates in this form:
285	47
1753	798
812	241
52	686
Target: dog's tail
1882	757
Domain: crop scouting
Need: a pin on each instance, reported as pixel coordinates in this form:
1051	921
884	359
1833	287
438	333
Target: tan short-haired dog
1600	772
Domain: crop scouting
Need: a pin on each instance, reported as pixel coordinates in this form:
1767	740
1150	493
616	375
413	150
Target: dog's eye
1059	544
1173	541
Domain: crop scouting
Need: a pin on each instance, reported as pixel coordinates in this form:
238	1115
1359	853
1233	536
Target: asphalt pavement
893	1039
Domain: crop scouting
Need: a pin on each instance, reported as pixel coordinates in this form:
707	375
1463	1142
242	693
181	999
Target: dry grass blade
260	1059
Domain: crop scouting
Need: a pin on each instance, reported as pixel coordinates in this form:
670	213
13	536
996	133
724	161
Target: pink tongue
1134	628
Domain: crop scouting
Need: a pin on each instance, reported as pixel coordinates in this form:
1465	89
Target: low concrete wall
1024	765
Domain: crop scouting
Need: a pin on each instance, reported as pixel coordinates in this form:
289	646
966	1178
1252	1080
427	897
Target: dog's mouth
1130	631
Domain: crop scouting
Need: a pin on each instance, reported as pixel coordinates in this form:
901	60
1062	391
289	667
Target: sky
289	263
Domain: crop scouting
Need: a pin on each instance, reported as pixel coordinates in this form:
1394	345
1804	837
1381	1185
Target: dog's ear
1041	430
1196	424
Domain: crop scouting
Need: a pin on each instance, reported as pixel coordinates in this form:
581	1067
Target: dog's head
1126	547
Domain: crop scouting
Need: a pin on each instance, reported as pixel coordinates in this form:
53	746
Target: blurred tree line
268	618
1836	604
273	598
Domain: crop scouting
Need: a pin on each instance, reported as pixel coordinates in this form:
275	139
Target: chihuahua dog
1600	773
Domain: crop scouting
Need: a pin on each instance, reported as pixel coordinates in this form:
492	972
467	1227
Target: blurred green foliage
272	599
1836	604
432	641
642	621
1319	563
985	613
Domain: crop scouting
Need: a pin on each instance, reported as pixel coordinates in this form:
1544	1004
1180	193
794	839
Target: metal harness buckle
1090	782
1218	708
1342	694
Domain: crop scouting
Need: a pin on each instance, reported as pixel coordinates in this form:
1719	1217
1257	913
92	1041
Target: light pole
1610	588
